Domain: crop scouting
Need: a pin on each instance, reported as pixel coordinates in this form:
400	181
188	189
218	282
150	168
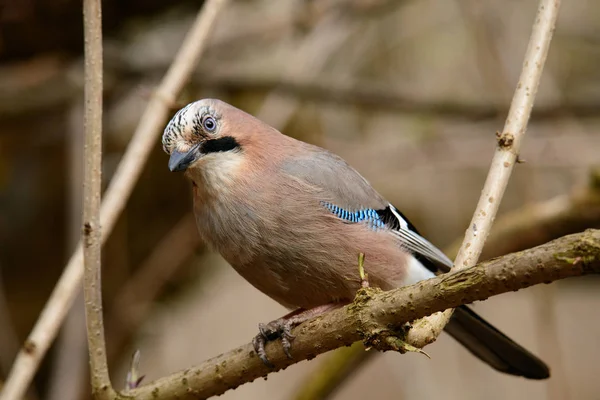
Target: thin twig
92	189
372	314
507	151
115	199
509	141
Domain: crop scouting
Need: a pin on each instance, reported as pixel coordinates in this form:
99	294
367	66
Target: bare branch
369	317
505	157
92	189
509	141
116	197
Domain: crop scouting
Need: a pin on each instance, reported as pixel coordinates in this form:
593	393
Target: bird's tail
493	347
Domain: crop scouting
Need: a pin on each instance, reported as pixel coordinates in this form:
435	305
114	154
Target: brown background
409	92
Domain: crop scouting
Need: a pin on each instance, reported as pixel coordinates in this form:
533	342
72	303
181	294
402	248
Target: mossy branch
375	315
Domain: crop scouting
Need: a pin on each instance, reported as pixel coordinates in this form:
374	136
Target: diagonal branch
507	150
509	141
369	317
117	194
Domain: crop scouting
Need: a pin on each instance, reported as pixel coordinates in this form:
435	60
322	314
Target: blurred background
409	92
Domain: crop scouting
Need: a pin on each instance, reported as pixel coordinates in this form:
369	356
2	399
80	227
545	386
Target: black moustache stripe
225	143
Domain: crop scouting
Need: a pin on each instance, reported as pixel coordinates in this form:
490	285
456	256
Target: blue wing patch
391	219
365	215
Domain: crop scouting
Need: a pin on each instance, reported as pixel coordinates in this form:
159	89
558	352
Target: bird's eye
209	124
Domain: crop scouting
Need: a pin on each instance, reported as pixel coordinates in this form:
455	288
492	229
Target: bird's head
200	129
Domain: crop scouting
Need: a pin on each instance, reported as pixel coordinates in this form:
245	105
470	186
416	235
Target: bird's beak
180	161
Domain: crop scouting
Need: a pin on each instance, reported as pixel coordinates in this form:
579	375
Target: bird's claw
259	347
278	329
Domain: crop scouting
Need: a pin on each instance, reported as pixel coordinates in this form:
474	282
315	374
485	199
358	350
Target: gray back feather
338	181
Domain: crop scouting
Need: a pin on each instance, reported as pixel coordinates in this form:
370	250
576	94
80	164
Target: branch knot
505	140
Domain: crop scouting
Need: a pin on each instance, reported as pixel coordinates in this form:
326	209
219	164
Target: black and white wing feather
429	255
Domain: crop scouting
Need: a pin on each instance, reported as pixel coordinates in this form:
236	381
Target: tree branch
92	187
505	157
373	312
116	197
509	141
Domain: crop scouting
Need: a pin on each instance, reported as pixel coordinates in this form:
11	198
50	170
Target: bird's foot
281	328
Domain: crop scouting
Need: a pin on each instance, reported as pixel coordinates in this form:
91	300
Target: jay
291	218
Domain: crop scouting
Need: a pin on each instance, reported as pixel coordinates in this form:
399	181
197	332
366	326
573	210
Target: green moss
573	258
586	251
362	298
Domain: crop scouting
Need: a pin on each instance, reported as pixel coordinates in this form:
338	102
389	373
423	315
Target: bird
291	218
